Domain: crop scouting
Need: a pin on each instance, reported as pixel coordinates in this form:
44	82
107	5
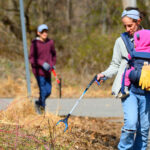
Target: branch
13	27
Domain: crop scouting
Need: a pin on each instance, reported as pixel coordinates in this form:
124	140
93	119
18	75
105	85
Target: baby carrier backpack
137	61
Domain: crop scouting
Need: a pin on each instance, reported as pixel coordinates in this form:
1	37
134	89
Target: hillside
84	33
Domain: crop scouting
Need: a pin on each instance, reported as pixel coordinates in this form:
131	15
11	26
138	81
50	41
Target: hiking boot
38	108
42	110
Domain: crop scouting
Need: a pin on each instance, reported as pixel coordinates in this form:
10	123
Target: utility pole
22	18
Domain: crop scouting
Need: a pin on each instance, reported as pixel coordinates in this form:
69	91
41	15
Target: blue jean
134	135
45	87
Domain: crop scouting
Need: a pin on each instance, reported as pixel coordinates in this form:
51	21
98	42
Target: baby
141	44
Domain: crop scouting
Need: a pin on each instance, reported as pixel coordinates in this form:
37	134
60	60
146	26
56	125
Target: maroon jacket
41	52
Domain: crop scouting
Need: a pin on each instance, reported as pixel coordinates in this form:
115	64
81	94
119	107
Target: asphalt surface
93	107
87	107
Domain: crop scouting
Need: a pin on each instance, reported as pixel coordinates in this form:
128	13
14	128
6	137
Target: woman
136	106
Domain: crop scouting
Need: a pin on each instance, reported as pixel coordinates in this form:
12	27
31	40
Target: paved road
87	107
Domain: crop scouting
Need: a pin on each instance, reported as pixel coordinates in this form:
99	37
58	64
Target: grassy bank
11	87
13	82
22	128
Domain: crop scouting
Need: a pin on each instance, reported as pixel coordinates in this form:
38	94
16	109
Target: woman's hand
99	76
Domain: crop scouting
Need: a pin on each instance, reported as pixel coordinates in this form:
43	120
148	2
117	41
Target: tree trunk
68	15
104	20
127	3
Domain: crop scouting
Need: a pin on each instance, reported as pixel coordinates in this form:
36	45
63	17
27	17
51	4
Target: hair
135	8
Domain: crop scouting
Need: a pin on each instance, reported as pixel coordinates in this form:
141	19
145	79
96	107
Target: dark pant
45	86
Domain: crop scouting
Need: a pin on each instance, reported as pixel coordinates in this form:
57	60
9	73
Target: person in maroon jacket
42	58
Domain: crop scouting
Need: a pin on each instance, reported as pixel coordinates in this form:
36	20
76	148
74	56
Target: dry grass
20	122
11	87
26	130
13	82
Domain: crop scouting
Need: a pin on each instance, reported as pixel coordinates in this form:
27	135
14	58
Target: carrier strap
129	45
145	55
123	82
130	48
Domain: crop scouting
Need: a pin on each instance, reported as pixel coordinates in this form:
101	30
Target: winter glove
145	78
54	67
46	66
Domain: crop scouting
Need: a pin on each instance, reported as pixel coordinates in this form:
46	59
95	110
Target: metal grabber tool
65	120
58	81
55	75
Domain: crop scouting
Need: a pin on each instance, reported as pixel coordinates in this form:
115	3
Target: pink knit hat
142	40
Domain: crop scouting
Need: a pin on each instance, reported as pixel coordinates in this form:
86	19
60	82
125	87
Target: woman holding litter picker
136	104
42	58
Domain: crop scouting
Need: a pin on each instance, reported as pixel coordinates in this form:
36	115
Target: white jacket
117	65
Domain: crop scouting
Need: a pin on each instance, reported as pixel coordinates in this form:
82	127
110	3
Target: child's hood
142	40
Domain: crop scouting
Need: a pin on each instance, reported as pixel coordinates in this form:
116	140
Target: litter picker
65	120
58	81
55	75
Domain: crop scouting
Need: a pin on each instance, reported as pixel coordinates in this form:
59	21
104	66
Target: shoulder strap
145	55
129	45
